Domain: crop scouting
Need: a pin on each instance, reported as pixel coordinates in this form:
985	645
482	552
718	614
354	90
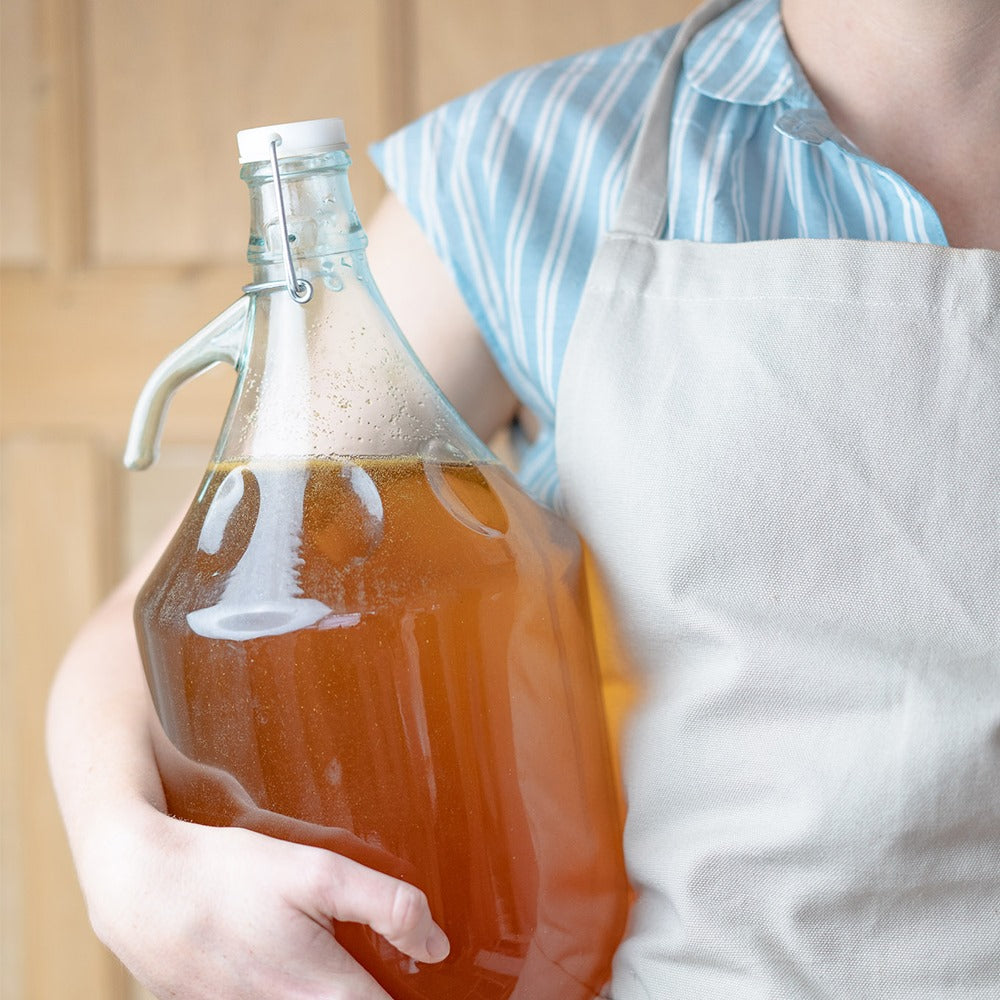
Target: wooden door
123	227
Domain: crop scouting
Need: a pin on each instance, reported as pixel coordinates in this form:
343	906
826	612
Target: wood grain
22	85
56	519
62	139
77	350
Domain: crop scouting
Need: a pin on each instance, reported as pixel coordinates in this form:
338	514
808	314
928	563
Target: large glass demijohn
364	635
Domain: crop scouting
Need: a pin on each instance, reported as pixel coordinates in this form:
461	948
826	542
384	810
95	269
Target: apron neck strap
643	207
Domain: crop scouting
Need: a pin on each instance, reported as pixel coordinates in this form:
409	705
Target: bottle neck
321	220
329	374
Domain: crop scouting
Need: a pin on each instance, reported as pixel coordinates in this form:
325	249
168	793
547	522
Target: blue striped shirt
515	183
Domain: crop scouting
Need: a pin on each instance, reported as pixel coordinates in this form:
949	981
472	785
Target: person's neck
915	84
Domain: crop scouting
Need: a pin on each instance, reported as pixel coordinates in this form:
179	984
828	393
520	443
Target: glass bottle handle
219	340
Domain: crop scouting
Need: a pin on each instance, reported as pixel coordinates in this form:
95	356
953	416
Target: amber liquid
436	713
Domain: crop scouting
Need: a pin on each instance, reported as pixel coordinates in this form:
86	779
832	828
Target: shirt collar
743	56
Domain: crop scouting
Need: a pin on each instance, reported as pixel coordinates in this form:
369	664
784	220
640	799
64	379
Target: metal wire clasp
300	289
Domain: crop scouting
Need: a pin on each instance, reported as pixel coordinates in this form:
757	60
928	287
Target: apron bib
784	457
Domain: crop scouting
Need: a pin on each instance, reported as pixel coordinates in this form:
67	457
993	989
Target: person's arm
436	321
201	912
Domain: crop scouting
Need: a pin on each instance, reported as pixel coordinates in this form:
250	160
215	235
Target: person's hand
216	913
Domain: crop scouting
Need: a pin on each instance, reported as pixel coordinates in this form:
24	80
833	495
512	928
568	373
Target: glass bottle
364	635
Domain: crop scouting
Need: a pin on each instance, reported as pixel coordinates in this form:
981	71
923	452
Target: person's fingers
234	920
346	891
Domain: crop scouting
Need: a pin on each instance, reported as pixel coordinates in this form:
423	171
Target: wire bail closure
300	289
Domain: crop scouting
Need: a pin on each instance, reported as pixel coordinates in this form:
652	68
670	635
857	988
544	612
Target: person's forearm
98	727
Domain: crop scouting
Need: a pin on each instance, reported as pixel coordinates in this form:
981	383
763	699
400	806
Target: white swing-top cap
322	135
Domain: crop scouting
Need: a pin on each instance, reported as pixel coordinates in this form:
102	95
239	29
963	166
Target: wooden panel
170	85
21	85
78	350
457	53
61	165
54	499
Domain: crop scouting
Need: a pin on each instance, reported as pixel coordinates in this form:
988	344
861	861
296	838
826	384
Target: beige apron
785	457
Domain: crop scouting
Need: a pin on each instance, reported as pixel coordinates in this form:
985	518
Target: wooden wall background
122	230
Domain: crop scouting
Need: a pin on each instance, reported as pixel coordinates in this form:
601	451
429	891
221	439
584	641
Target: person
744	274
